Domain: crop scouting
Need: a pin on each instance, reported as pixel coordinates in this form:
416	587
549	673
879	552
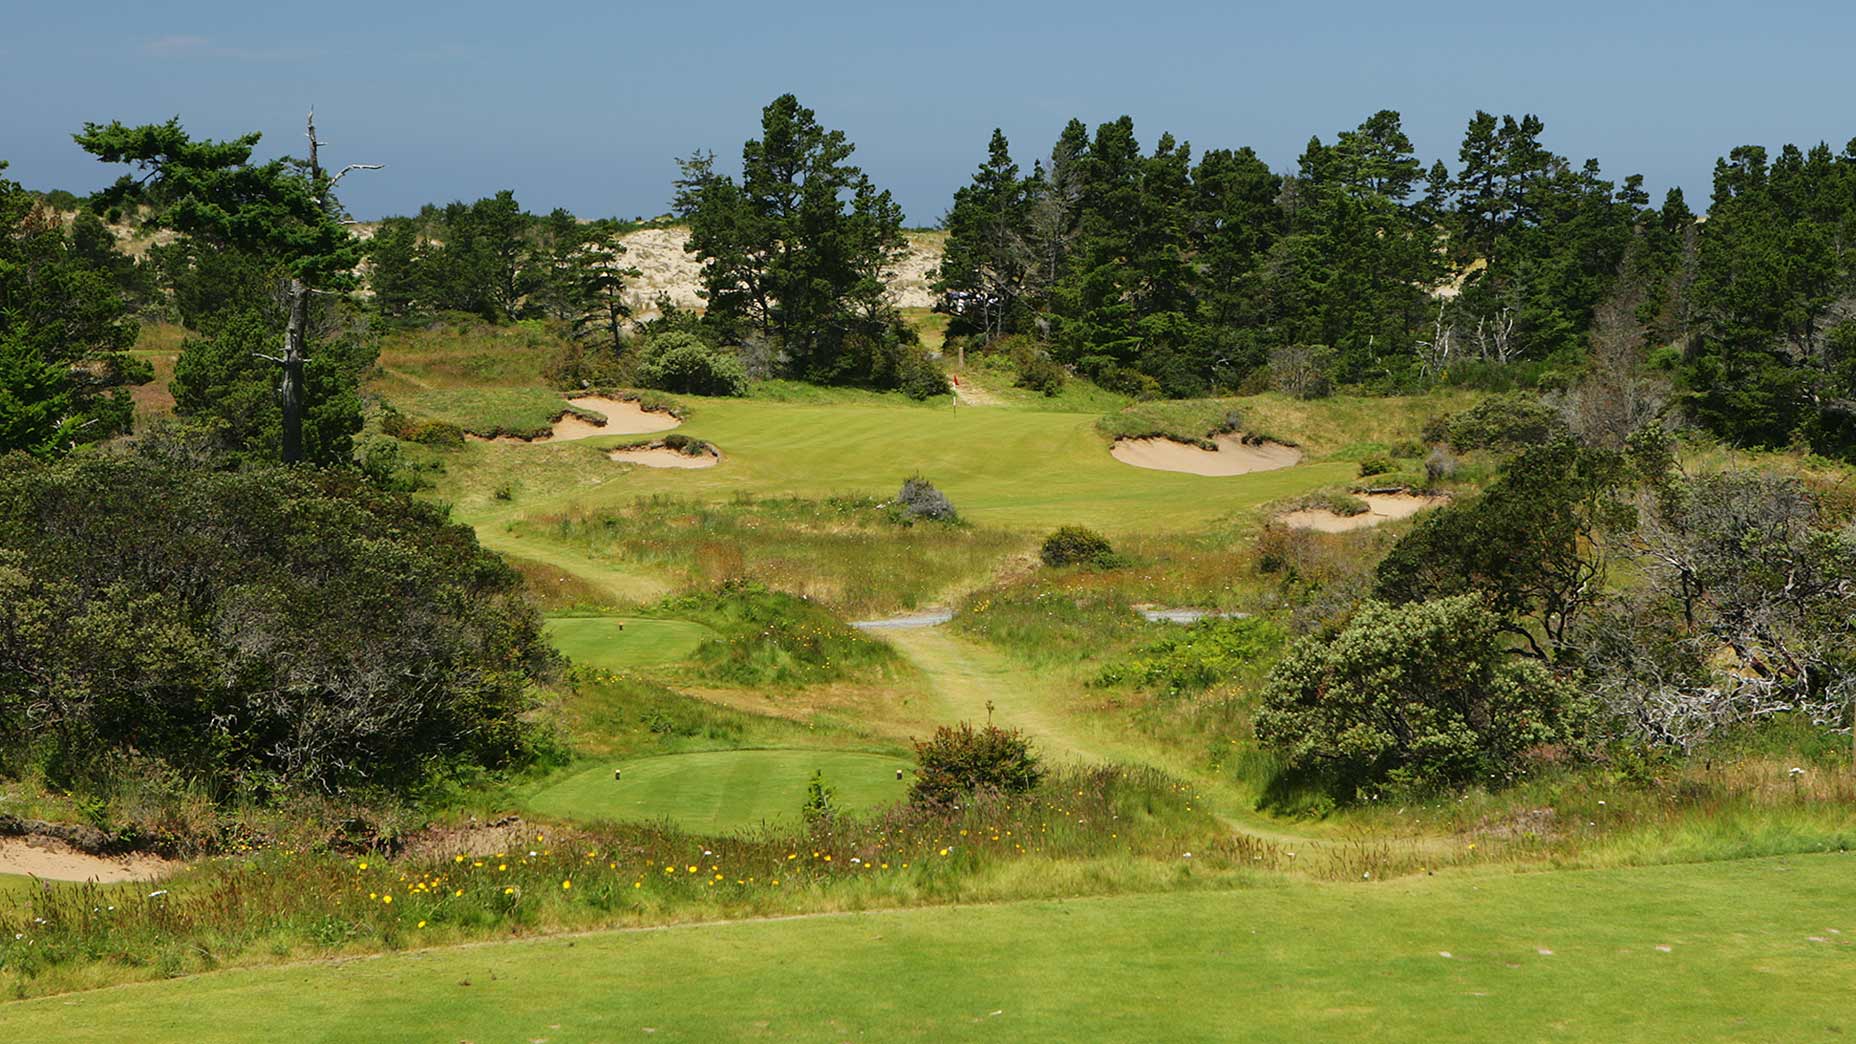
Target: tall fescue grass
282	903
850	553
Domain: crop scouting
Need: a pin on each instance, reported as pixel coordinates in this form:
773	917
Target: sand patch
55	860
1382	507
658	455
623	417
1232	457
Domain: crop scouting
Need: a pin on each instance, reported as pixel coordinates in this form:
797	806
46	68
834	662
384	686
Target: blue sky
587	105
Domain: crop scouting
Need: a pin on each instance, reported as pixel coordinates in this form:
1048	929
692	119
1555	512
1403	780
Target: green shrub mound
1075	545
683	362
252	630
774	638
960	761
1423	695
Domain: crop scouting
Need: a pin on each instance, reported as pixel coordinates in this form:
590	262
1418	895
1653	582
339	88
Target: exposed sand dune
1232	457
664	457
57	861
623	417
1384	507
664	267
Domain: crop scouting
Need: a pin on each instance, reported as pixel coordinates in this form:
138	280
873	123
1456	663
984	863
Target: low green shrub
1197	657
774	638
1374	465
960	761
683	362
1076	545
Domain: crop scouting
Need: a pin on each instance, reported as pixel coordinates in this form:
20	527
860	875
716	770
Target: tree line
1161	274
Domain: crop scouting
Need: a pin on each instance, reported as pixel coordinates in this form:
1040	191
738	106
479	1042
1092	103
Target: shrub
960	761
919	499
1440	466
1423	695
1374	465
1037	371
918	376
1192	659
259	630
683	362
1504	423
1075	545
819	808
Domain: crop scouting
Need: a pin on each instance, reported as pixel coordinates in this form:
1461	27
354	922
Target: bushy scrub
1076	545
773	638
1423	695
920	500
1043	620
1197	657
682	362
1503	423
1375	465
960	761
257	630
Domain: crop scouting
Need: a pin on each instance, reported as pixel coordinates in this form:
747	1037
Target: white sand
1384	507
57	861
663	457
623	417
1232	457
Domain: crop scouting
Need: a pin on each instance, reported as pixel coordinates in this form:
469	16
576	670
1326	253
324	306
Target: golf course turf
722	790
1754	950
622	643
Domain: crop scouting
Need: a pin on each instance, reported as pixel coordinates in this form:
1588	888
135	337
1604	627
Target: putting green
617	643
722	790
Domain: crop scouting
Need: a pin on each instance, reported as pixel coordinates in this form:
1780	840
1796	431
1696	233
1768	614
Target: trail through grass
1753	951
723	790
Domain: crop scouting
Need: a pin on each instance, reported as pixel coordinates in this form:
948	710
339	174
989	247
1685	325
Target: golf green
722	790
616	643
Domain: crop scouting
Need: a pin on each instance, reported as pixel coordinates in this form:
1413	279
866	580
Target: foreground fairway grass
615	643
724	790
1753	951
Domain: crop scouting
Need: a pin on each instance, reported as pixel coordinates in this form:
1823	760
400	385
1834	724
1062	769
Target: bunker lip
1234	456
623	417
54	860
1382	507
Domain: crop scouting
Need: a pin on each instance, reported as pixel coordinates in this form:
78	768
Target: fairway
1756	951
1021	469
724	790
617	643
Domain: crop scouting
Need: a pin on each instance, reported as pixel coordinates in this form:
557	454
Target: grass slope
724	790
1019	469
1747	953
616	643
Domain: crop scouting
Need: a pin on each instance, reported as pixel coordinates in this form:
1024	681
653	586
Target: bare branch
352	167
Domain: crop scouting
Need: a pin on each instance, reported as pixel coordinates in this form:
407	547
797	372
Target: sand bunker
55	860
658	455
1232	457
1383	507
623	417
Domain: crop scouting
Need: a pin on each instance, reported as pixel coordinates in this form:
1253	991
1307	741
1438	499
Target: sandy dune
56	861
665	268
1385	507
1232	457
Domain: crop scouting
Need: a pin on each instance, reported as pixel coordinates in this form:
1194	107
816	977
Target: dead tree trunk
290	392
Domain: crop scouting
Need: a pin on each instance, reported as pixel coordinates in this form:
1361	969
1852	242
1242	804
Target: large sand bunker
1382	507
660	455
55	860
1233	456
623	417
